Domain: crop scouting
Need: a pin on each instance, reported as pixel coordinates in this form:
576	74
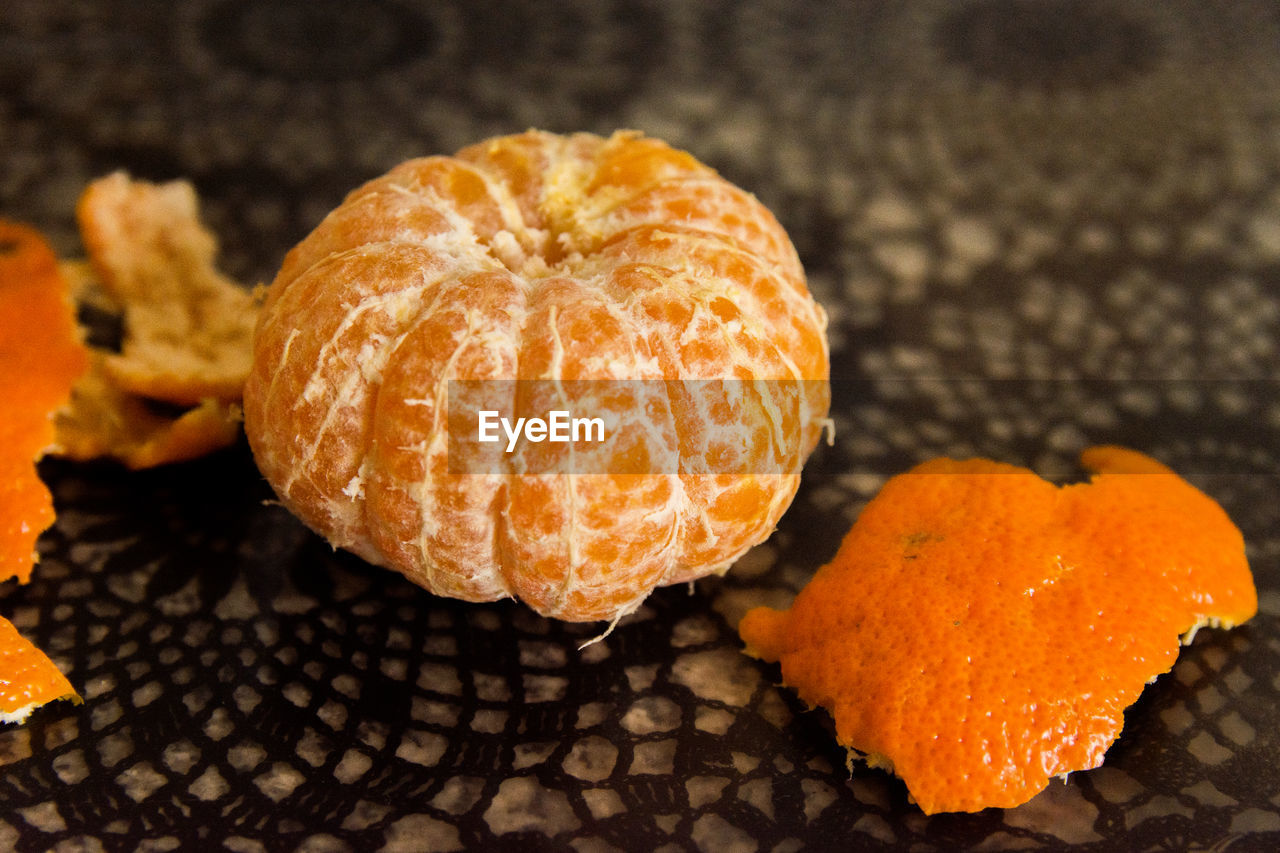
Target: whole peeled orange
528	265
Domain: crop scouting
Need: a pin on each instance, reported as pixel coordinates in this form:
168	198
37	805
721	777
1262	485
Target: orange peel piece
41	356
173	392
982	630
188	328
28	679
104	421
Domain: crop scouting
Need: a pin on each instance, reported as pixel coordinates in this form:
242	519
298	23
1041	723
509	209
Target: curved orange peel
41	356
187	327
105	421
173	392
28	679
982	630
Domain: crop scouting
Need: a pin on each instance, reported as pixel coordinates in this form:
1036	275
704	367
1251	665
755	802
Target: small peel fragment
28	679
41	356
982	630
104	421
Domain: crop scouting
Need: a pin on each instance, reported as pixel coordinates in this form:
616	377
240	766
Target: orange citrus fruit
41	356
981	630
548	258
28	679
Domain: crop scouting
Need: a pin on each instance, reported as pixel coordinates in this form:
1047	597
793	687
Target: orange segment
981	630
28	679
40	357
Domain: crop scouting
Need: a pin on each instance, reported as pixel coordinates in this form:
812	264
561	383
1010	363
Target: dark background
1035	226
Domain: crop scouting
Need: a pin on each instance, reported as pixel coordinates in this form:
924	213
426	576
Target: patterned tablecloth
1035	226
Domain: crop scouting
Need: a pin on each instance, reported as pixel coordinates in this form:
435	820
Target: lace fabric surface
1035	227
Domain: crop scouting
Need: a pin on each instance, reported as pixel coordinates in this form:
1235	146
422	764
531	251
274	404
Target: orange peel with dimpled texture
41	356
28	679
982	630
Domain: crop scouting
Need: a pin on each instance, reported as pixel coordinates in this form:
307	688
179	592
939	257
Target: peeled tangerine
546	258
981	630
